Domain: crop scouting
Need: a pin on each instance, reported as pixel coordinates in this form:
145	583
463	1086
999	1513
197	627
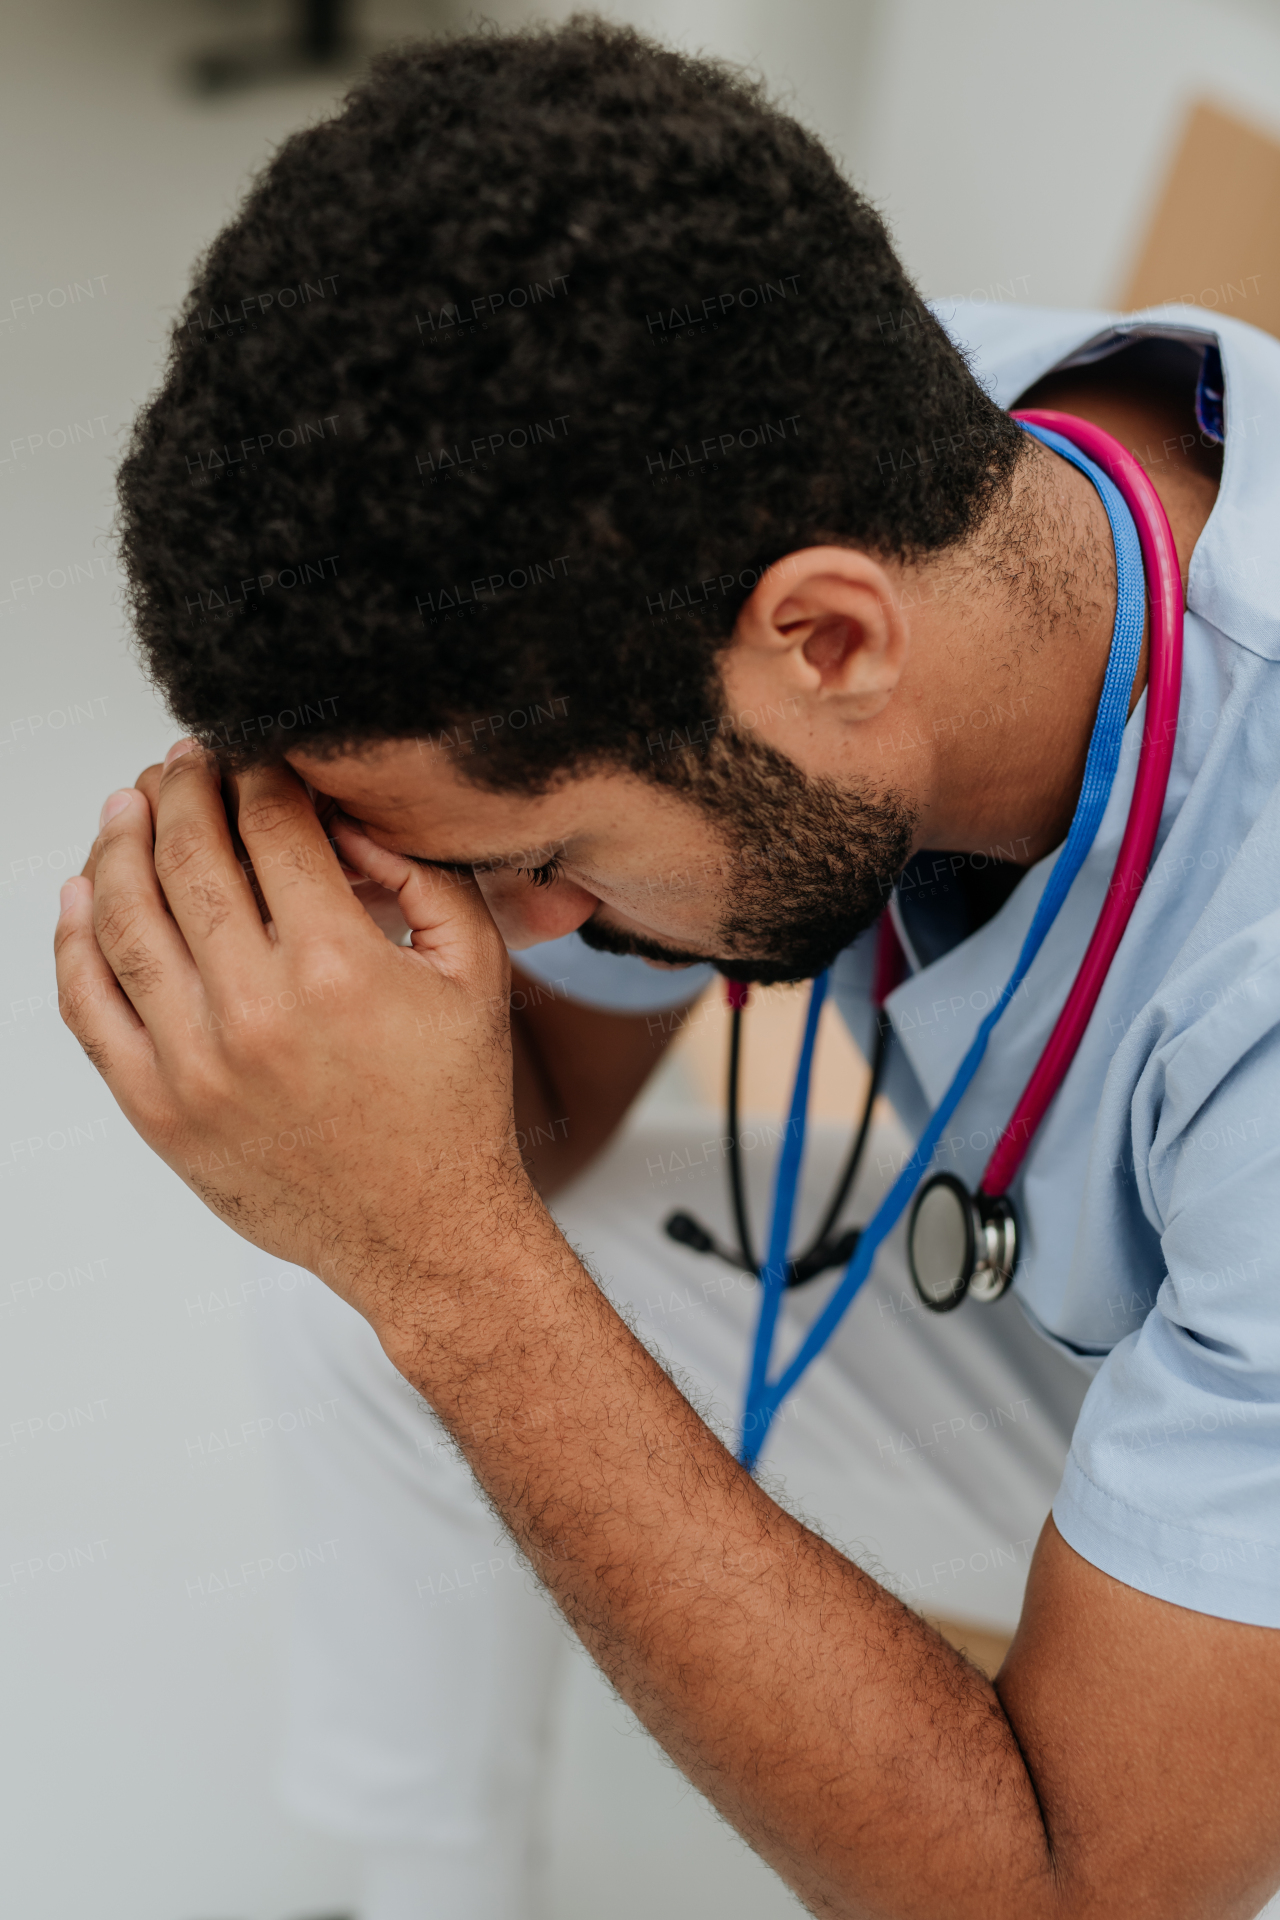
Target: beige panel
1215	237
772	1029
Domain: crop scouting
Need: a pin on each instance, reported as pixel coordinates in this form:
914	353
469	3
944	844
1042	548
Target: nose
527	914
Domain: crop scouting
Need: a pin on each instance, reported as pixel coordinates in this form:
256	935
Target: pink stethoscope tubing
1164	688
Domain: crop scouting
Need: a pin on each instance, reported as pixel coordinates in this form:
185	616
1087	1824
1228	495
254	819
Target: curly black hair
491	405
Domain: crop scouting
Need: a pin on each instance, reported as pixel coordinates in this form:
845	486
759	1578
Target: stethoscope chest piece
958	1243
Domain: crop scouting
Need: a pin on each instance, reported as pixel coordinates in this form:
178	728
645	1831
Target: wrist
484	1311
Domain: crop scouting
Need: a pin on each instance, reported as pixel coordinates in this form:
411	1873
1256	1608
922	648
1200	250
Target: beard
810	863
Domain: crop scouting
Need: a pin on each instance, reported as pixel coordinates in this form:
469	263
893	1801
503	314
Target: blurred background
1103	153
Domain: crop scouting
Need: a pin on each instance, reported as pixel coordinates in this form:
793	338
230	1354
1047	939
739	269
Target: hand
341	1102
381	903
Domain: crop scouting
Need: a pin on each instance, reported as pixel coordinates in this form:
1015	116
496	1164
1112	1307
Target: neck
1010	644
1007	697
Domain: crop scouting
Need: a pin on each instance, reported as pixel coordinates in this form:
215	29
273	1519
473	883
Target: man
568	687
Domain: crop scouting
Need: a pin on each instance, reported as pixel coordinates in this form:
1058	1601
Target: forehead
402	777
409	791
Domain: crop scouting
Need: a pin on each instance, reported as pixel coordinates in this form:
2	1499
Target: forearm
868	1762
554	1144
576	1072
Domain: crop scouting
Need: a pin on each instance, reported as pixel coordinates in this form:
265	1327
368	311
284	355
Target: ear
824	626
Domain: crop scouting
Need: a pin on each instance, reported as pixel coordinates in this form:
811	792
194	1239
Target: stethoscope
960	1242
826	1249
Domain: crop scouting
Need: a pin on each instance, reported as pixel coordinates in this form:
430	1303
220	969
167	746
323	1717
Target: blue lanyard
763	1396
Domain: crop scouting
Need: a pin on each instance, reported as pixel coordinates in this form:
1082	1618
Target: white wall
1007	141
1014	138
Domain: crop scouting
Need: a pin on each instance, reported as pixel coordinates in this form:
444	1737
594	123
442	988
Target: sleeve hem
609	982
1232	1578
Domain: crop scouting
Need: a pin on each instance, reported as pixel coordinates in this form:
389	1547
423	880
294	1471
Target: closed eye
542	876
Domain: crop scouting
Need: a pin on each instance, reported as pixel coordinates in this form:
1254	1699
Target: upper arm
578	1069
1152	1735
1144	1681
1173	1480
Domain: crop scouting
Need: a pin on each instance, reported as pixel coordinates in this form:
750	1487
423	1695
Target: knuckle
95	1053
132	961
328	965
137	968
182	848
207	897
117	918
73	998
74	1002
196	1085
269	814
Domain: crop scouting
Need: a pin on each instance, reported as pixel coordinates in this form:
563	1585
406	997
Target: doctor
906	563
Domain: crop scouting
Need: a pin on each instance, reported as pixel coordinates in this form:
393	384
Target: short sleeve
1173	1483
612	982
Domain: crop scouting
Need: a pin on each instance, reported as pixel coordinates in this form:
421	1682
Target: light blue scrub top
1150	1198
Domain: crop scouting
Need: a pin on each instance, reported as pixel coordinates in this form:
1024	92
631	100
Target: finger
143	948
90	998
204	882
446	911
147	782
327	811
297	868
379	902
238	848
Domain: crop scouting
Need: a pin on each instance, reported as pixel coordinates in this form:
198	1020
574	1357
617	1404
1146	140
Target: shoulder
1234	579
1010	346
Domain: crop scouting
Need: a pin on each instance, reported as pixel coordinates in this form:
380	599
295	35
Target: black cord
820	1254
823	1252
749	1261
851	1165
